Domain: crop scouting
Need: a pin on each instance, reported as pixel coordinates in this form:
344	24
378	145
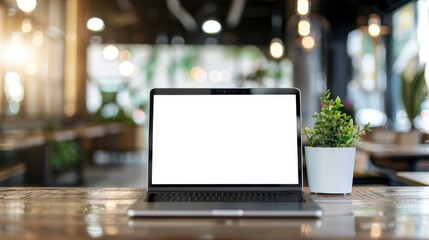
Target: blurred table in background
33	152
111	138
100	213
394	156
413	178
11	143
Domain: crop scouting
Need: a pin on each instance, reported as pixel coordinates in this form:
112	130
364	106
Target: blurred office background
75	74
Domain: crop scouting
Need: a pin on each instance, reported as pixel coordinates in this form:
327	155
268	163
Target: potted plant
330	156
414	92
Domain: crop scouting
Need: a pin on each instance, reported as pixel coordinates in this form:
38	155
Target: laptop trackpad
228	212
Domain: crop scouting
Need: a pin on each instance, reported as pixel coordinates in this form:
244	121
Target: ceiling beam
235	12
188	22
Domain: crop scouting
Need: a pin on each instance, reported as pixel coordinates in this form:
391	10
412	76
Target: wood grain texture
100	213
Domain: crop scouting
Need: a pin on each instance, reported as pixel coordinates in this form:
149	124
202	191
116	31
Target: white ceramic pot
330	170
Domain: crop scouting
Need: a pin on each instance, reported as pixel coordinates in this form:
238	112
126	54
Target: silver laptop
225	153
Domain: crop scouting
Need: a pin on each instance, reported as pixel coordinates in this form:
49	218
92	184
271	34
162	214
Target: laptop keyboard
226	197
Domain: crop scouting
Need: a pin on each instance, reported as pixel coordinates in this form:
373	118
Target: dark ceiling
158	21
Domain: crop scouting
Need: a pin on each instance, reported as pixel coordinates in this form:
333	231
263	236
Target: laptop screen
225	138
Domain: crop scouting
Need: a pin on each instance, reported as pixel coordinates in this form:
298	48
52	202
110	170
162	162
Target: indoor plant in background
414	92
330	157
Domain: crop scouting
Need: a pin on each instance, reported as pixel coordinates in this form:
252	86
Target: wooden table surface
100	213
413	178
13	142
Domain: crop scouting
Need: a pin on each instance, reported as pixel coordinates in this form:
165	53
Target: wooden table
13	142
100	213
414	178
393	156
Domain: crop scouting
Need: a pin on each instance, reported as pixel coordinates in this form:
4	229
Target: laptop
225	153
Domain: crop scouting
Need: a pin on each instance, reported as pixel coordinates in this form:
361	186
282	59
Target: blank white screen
224	139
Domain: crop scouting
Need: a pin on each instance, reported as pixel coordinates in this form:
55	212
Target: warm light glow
125	55
26	5
304	28
38	38
16	53
95	24
374	28
111	230
211	27
376	230
71	59
276	48
198	74
31	69
302	7
13	87
26	26
308	42
126	68
110	52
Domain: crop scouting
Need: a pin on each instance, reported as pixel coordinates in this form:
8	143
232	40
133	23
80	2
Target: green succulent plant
332	127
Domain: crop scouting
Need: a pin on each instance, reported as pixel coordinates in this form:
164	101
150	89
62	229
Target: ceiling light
211	27
374	28
95	24
304	28
302	7
26	5
308	42
26	26
276	48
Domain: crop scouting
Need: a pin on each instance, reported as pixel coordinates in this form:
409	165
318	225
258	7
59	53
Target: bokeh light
110	52
276	48
211	26
26	6
308	42
95	24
